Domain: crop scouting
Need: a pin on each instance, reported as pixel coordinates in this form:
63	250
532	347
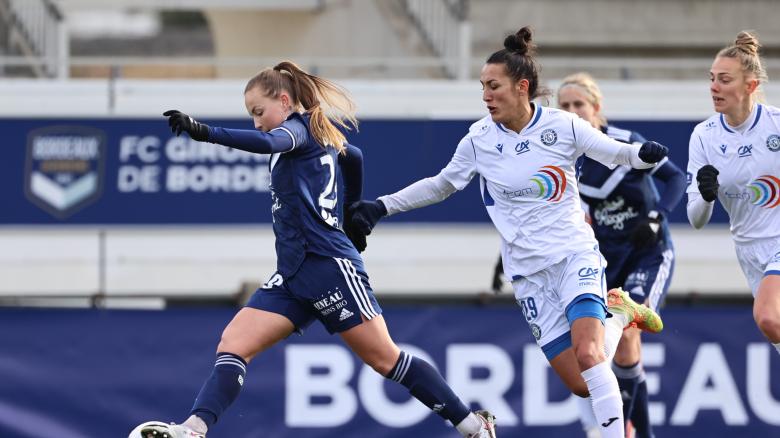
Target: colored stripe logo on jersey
765	191
551	181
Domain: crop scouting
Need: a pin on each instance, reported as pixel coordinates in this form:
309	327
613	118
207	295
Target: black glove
180	122
365	215
647	231
356	237
498	273
707	178
652	152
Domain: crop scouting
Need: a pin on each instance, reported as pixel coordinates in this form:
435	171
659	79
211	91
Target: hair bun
520	42
747	42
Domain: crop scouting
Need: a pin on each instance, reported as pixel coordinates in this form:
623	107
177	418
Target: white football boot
488	429
162	430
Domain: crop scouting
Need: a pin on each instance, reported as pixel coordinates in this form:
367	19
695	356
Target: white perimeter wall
207	261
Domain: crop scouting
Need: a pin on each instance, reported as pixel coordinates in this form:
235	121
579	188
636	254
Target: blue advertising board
133	171
90	373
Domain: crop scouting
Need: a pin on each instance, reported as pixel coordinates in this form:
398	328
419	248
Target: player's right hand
180	122
652	152
366	214
707	179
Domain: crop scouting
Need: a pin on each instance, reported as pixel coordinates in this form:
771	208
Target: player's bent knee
588	355
769	323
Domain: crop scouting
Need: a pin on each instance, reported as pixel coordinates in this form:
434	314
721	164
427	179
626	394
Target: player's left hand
648	231
357	238
366	214
180	122
652	152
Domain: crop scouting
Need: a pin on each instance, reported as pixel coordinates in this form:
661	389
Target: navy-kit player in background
320	274
629	219
734	157
525	157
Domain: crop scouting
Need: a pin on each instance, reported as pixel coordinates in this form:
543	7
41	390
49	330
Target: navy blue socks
429	387
221	388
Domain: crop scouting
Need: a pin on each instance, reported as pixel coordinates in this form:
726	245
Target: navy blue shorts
644	274
334	290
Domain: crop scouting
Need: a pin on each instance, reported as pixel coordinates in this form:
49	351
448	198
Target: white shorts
759	258
543	296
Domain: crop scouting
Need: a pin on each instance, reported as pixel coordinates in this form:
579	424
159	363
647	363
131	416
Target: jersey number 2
328	196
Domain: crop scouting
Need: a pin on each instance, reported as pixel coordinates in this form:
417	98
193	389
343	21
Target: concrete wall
341	30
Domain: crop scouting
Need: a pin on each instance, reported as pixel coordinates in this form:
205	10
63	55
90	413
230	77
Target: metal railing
37	30
444	25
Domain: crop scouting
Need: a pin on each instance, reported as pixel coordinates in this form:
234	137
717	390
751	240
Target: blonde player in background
525	156
735	157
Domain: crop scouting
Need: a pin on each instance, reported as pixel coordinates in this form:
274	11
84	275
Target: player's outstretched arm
598	146
254	141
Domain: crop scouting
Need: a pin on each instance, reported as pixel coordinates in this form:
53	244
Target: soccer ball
136	433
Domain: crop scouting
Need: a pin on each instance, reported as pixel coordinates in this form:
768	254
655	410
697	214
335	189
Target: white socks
587	418
196	424
605	397
613	330
777	347
470	425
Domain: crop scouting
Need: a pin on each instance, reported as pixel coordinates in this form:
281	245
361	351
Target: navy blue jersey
304	190
619	198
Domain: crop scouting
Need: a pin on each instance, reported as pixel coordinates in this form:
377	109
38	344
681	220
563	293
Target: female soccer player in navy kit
525	156
629	221
320	274
735	157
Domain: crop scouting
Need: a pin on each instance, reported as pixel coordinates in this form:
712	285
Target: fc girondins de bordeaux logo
64	170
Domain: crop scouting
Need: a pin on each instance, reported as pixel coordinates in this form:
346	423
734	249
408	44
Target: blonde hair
745	50
587	85
329	105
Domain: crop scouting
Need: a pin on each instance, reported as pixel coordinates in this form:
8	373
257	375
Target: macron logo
500	148
345	314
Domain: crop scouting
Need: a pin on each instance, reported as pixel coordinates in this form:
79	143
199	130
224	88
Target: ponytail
329	105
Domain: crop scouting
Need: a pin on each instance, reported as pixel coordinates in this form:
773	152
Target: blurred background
122	259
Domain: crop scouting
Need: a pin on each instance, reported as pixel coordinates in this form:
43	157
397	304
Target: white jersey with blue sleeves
749	166
528	184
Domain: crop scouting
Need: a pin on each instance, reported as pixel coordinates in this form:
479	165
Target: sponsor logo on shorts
588	276
345	313
536	331
331	302
588	273
638	279
775	258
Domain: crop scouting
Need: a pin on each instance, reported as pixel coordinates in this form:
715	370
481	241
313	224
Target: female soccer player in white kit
525	156
735	155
